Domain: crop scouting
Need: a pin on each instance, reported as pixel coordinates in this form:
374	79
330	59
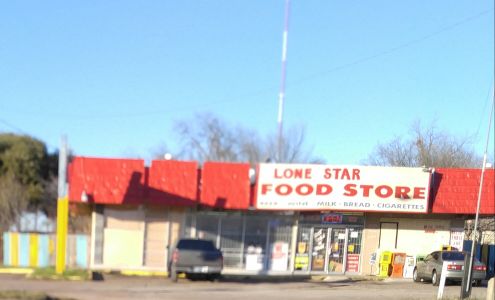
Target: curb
330	278
20	271
143	273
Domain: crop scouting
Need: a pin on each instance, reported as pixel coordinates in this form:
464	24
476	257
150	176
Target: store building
300	219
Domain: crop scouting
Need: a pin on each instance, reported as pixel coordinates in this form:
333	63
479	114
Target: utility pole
62	208
468	262
281	96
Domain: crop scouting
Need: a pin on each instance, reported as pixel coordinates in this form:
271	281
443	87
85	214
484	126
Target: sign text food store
353	188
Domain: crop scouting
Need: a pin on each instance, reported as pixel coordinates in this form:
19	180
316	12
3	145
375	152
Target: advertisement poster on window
302	255
352	263
319	249
280	256
457	238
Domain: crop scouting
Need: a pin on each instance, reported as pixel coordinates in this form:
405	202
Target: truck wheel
213	277
173	275
434	278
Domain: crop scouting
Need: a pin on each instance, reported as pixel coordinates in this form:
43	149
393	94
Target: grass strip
69	274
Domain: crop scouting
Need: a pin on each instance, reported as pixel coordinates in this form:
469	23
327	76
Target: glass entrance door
329	250
337	251
319	248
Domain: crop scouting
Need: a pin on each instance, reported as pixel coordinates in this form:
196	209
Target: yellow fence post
62	224
33	250
14	249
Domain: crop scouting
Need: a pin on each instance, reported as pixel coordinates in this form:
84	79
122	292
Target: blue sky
114	76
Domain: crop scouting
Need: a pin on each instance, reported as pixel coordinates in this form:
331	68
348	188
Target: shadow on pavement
263	278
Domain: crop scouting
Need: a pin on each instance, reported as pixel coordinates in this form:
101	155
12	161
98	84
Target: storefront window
280	236
207	227
255	242
248	241
354	243
231	240
189	225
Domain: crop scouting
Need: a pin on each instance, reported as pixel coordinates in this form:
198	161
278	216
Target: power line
392	49
292	83
17	129
487	101
23	132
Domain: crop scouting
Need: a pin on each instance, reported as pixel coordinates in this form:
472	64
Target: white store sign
347	188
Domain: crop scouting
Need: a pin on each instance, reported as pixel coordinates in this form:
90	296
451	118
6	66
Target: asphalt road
118	287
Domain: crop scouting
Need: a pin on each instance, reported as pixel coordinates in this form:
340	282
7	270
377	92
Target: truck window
196	245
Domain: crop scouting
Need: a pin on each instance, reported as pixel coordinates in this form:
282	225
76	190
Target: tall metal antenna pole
281	96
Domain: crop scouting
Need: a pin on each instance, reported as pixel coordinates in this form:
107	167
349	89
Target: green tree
13	201
26	173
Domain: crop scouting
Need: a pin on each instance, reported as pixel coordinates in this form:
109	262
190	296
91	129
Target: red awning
107	181
173	182
225	185
455	191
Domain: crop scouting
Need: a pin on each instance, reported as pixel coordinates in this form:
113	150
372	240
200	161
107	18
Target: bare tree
293	149
425	147
251	146
207	138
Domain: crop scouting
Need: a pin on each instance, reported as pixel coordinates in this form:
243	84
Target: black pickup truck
195	258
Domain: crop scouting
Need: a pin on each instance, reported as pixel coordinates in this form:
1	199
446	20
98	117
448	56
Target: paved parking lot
118	287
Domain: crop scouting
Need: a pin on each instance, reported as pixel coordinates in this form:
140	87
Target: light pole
466	283
62	208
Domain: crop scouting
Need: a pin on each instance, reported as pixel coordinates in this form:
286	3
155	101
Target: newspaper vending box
385	261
